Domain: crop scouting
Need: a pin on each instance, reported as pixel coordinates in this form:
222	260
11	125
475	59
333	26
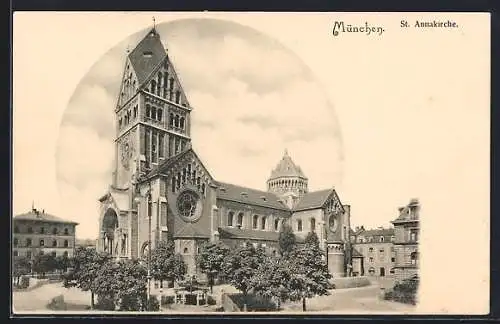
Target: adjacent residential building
37	232
406	229
376	247
161	189
86	243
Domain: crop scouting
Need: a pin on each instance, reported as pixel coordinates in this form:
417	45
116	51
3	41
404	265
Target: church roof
191	230
36	215
247	234
147	55
287	168
314	199
249	196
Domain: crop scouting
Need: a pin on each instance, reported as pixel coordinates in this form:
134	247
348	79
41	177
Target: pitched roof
314	199
192	230
287	168
404	212
36	215
236	233
227	191
147	55
167	163
378	232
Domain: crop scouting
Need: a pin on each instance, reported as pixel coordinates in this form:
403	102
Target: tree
309	272
62	263
20	266
287	241
241	265
166	264
272	278
312	238
43	263
211	259
86	265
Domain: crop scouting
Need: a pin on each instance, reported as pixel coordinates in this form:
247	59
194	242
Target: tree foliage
211	259
43	263
272	278
241	265
286	240
166	264
20	266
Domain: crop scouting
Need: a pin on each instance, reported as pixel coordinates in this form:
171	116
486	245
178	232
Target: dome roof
287	168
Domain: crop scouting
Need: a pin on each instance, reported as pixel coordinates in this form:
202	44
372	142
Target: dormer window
148	54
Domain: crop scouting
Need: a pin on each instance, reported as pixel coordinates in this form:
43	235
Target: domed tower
287	181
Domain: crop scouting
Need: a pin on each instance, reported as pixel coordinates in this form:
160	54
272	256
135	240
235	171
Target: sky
381	118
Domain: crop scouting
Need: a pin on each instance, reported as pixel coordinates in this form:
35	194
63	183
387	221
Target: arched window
54	243
240	219
176	121
177	96
159	114
255	221
230	217
299	225
66	243
65	254
276	224
371	271
16	242
153	86
181	122
148	111
54	231
391	271
370	250
414	258
263	223
42	243
28	242
30	230
171	120
313	224
186	250
66	231
173	184
203	188
153	112
381	239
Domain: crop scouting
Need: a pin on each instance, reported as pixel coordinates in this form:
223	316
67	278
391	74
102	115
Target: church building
161	190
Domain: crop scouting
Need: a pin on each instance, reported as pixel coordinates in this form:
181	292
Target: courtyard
340	301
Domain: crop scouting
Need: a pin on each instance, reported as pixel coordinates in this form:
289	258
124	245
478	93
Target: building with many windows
161	190
406	229
376	247
37	232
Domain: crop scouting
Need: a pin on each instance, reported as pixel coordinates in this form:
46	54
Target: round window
189	205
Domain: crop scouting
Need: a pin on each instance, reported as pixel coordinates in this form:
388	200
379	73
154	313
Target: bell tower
152	112
288	181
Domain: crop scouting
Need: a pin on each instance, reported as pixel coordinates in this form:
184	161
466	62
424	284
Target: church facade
161	190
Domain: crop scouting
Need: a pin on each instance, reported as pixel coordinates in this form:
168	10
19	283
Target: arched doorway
108	228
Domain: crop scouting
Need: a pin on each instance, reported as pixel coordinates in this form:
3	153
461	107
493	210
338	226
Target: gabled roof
314	199
404	212
192	230
147	55
287	168
227	191
166	165
36	215
377	232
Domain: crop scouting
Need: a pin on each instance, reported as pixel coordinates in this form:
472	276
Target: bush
105	303
404	292
167	299
153	305
57	303
211	301
254	303
24	282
